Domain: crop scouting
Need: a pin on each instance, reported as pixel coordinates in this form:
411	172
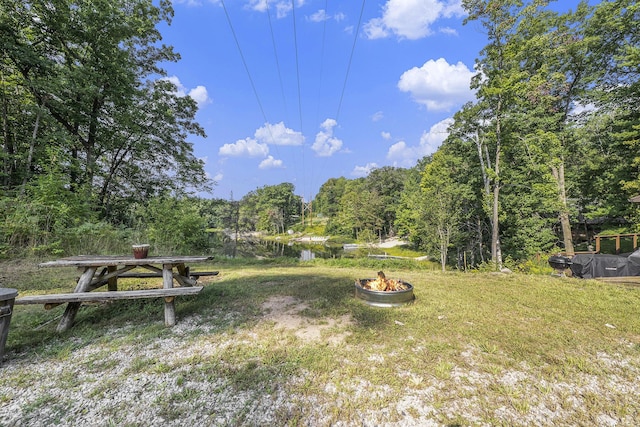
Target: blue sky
351	89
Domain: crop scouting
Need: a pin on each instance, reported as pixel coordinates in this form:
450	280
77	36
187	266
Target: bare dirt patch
286	313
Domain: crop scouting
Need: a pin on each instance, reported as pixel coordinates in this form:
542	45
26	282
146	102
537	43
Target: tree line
95	139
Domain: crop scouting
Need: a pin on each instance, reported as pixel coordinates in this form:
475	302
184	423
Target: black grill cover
588	266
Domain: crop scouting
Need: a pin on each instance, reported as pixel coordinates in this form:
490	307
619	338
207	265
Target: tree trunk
567	235
496	252
32	145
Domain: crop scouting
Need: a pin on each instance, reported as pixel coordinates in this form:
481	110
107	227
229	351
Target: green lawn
288	344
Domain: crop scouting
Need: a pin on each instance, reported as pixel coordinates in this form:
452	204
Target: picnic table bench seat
52	300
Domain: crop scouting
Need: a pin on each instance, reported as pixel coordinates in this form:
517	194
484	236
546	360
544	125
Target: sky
301	91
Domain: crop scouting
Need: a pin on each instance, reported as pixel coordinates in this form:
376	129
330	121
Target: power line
275	53
244	62
324	33
295	42
353	48
253	86
346	77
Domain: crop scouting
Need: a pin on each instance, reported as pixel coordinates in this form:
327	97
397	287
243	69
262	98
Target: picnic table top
115	260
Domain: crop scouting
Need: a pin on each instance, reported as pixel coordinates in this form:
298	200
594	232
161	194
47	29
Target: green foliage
272	208
96	154
174	226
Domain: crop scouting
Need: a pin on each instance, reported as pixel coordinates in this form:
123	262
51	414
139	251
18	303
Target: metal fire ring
384	298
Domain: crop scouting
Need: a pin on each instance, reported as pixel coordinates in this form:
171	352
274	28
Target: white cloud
376	29
278	134
448	30
411	19
244	147
454	8
362	171
283	7
199	93
258	5
385	135
404	155
438	85
377	116
318	16
218	177
326	144
190	3
270	163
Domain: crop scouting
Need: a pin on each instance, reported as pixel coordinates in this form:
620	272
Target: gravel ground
171	382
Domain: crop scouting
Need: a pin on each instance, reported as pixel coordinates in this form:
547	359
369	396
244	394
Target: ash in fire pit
383	292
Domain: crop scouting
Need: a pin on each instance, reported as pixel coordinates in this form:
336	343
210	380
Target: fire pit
383	292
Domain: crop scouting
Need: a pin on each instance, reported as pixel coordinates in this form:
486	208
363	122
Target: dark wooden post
112	283
169	306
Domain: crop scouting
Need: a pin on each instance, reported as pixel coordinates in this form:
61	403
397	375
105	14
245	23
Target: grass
475	348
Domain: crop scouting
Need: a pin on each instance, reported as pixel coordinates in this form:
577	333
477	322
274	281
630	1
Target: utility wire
244	62
275	52
353	48
324	33
295	42
253	86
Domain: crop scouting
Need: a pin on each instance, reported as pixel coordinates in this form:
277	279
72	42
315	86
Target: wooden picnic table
99	270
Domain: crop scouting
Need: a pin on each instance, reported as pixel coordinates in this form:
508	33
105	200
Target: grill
560	262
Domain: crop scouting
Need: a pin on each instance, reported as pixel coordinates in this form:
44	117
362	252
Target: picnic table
98	271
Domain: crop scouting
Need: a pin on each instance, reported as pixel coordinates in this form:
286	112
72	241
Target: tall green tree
443	200
614	122
496	86
386	184
93	67
328	197
271	208
360	211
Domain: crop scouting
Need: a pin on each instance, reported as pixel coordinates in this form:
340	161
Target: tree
387	183
270	208
496	86
442	200
410	219
328	197
359	210
93	67
614	123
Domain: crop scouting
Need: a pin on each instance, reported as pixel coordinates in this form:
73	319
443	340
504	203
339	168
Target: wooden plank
184	281
72	308
105	261
79	297
195	274
169	307
633	280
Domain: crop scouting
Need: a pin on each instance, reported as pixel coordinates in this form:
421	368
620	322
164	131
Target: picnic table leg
169	307
112	284
72	307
